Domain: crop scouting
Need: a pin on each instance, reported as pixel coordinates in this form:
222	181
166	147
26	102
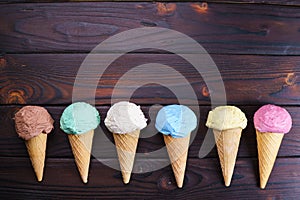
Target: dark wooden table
254	43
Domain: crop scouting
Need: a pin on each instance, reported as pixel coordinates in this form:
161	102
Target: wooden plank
203	179
58	145
68	27
49	79
273	2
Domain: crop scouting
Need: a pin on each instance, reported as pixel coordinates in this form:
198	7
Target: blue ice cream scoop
176	120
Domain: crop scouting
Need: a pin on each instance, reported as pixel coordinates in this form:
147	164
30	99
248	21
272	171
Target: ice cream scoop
176	122
226	117
79	121
125	117
30	121
274	119
33	123
227	123
271	123
125	120
79	118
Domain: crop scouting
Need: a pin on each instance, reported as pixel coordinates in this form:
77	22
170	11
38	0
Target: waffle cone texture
36	148
178	151
268	145
126	145
227	142
81	145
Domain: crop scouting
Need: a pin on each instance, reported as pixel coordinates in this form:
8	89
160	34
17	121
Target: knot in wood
205	91
167	182
16	97
165	8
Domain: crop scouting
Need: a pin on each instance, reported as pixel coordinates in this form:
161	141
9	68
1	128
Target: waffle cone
126	145
268	145
178	150
81	147
36	148
227	144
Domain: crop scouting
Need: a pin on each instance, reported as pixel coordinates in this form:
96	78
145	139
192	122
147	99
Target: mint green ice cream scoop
79	118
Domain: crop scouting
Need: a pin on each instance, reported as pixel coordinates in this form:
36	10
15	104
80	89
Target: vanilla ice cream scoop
125	117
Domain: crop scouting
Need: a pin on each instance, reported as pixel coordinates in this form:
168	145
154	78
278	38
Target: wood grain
69	27
276	2
203	180
49	79
58	145
272	2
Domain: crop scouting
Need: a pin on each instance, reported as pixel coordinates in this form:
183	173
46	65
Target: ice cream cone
126	145
81	147
36	148
268	145
227	144
178	150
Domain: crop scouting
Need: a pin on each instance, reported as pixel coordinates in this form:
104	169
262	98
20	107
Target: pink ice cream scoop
274	119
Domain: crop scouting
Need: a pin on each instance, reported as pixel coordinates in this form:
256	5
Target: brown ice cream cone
126	145
81	147
268	145
178	150
36	148
227	144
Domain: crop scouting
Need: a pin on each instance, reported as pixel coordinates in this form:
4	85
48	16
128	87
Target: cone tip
227	182
39	174
126	177
179	179
263	182
179	185
84	179
263	186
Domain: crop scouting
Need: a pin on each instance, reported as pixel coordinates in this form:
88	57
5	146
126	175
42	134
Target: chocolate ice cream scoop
31	121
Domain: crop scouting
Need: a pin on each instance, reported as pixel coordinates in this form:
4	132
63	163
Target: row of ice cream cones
176	122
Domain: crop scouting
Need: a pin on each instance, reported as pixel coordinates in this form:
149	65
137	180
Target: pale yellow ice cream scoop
226	117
